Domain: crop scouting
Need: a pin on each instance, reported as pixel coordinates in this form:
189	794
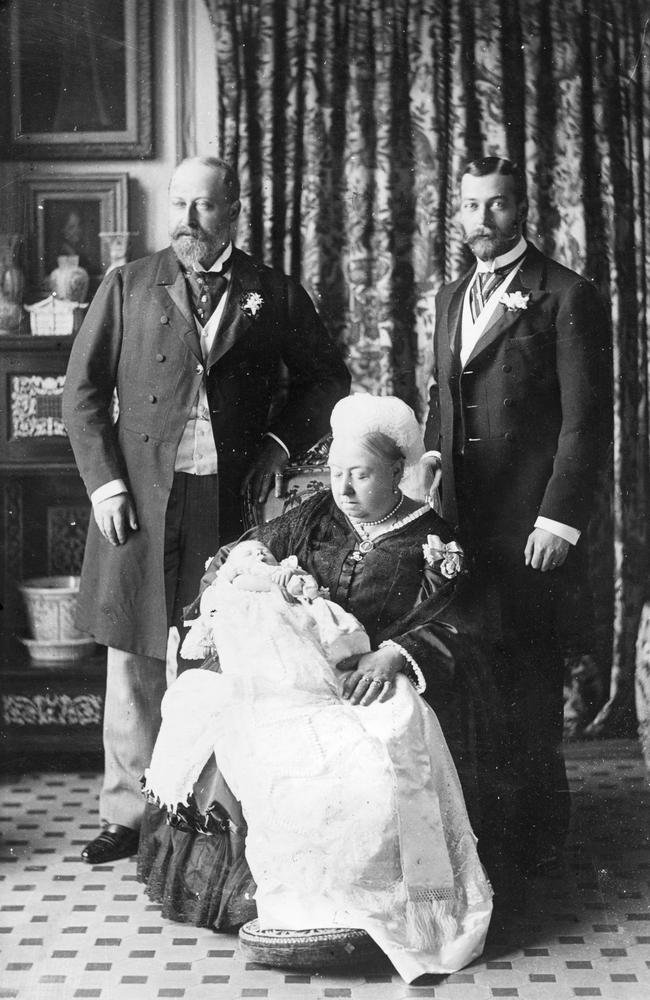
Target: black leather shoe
114	842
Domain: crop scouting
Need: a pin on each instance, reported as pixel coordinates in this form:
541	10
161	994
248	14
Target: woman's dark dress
203	879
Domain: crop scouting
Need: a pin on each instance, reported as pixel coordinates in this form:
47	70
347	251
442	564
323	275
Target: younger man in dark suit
192	340
516	413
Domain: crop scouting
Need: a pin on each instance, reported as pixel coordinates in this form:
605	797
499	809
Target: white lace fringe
431	923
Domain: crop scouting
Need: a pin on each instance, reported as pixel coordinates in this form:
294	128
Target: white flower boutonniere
514	301
446	557
250	303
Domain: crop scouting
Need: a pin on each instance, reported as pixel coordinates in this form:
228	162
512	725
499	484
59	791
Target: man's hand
544	550
371	676
261	476
115	517
432	461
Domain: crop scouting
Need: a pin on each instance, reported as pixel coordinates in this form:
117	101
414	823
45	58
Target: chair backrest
301	479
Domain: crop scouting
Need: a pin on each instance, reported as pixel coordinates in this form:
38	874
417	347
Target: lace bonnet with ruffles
361	414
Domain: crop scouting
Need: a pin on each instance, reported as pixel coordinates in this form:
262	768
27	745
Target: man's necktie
207	288
483	286
485	283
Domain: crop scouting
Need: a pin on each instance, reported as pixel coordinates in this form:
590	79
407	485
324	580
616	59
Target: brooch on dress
446	557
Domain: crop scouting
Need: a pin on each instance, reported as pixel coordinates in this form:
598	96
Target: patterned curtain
350	121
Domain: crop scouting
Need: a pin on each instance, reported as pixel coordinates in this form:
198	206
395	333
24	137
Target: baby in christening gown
355	815
290	612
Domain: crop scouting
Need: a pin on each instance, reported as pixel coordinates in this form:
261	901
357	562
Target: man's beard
488	246
194	246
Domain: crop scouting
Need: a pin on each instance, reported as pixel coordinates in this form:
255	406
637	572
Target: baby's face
250	553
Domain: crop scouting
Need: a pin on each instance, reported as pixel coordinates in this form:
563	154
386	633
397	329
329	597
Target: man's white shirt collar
485	266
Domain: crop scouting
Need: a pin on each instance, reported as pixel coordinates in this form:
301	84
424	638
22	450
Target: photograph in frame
80	79
64	216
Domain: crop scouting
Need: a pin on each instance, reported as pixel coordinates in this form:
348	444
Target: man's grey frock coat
140	340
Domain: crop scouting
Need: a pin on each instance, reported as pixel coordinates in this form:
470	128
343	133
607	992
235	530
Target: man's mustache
481	234
194	232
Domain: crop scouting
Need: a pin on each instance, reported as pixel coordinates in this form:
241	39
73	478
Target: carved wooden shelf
51	716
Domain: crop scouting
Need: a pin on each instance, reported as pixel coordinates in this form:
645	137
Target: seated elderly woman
326	721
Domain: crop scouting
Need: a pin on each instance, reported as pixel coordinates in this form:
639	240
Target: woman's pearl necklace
362	526
386	517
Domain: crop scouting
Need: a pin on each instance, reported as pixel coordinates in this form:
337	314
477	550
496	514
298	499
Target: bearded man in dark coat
170	402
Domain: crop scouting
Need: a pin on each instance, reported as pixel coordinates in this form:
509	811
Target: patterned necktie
207	288
483	286
485	283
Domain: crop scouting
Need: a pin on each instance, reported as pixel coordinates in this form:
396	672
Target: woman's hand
371	676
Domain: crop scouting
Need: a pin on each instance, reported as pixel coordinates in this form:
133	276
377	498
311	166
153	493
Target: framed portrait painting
80	79
66	214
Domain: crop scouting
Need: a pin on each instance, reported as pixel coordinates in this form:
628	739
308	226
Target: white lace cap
361	414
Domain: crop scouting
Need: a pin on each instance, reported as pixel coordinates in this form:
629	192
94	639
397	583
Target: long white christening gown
355	814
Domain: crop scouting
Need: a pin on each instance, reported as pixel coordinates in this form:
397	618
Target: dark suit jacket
140	338
526	414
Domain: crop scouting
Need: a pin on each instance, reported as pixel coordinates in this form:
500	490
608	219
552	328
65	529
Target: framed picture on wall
65	214
80	77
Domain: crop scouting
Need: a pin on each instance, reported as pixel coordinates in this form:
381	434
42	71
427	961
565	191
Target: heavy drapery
349	121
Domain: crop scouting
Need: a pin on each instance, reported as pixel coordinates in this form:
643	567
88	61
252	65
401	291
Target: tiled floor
71	931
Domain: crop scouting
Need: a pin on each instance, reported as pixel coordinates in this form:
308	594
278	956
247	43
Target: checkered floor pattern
69	931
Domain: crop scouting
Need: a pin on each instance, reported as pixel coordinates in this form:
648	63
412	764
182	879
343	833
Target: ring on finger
376	680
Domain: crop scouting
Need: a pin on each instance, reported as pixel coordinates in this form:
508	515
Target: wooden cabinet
44	512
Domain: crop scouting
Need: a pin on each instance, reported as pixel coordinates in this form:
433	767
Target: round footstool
320	948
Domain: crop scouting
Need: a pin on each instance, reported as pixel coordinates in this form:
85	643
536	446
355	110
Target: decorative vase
11	314
115	248
69	281
11	285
